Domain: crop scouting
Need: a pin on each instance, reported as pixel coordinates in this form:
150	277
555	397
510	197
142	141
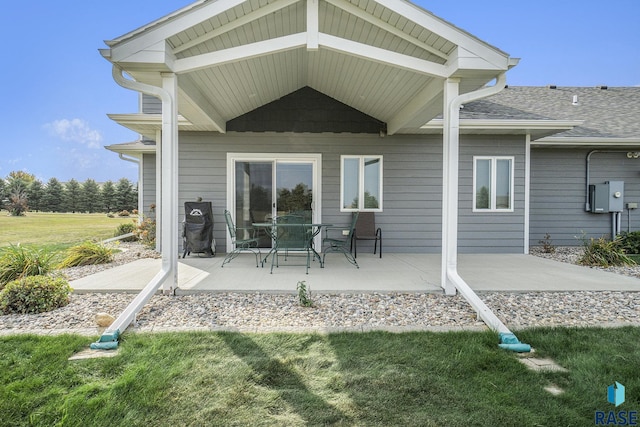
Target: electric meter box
607	197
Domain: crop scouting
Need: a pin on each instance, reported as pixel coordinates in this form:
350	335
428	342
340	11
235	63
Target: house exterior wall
491	232
412	184
558	193
412	172
148	183
151	104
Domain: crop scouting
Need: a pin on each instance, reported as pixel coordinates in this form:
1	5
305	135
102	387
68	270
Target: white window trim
494	172
360	182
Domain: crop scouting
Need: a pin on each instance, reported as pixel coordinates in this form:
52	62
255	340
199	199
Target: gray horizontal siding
558	193
412	179
490	232
148	183
151	105
412	195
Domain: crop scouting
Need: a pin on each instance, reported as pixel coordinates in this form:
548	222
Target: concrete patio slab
392	273
526	273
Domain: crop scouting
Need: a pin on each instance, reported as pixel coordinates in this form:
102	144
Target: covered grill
197	232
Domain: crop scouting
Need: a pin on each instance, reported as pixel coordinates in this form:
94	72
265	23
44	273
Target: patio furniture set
293	235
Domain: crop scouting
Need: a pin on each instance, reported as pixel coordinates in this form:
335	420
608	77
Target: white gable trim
448	31
165	30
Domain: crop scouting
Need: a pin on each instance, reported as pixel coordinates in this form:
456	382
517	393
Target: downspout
450	215
587	204
109	339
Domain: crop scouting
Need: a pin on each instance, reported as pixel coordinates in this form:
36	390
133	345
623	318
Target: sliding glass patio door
265	188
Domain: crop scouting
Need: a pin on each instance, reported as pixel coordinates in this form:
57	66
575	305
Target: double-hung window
361	183
492	184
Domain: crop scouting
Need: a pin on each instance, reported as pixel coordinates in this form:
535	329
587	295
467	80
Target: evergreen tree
124	195
108	196
3	192
53	198
91	199
35	193
72	196
133	198
19	181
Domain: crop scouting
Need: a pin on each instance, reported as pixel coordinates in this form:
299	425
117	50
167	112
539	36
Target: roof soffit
234	56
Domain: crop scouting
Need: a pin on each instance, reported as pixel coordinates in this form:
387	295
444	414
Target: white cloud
83	161
76	130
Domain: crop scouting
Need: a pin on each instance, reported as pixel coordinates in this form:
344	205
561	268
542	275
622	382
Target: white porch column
169	183
450	151
527	190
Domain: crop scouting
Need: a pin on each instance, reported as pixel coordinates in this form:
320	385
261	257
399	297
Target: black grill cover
198	228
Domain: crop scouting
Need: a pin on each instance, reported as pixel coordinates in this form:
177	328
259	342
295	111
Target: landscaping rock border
260	312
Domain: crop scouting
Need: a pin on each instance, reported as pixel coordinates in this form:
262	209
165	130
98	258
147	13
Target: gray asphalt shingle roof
607	113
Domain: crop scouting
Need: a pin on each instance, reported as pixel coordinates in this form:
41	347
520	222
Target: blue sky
57	89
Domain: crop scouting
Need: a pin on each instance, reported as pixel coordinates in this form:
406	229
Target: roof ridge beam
239	53
246	19
313	24
384	56
356	11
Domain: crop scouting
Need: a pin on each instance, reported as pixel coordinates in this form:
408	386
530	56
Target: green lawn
351	379
56	229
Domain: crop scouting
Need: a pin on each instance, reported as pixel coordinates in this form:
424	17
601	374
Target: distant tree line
21	192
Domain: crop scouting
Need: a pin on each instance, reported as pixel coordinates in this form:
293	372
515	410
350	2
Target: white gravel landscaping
282	312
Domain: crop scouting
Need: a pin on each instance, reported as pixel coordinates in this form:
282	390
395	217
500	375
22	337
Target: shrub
126	228
17	261
547	245
604	253
34	294
630	242
87	253
304	294
18	203
146	232
124	213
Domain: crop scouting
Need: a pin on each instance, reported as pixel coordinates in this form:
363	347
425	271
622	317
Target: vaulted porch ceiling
387	58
